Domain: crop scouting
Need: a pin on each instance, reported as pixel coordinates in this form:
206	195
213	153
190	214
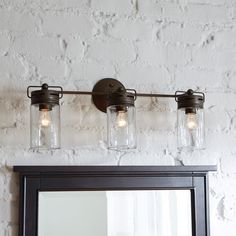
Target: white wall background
153	46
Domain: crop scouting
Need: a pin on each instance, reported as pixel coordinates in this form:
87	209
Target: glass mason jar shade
121	121
121	127
190	120
45	126
45	119
191	132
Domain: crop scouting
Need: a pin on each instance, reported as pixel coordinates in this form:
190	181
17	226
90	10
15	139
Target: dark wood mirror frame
74	178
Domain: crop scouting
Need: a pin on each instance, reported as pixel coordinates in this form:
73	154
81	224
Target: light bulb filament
45	119
191	121
121	119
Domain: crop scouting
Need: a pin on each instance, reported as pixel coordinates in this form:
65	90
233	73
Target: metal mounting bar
107	86
102	93
156	95
83	93
100	98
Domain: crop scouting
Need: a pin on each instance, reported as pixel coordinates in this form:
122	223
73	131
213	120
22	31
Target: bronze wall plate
102	89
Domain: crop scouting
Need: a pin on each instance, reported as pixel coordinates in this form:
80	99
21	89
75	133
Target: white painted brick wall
153	46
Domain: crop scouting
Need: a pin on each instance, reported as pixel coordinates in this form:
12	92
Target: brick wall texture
150	45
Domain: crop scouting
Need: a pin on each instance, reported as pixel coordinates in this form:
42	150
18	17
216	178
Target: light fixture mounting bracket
101	91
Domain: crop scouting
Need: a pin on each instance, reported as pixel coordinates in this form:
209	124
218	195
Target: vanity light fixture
45	117
110	96
190	119
121	120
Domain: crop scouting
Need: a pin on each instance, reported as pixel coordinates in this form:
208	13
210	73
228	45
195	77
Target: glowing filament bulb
191	121
121	119
45	118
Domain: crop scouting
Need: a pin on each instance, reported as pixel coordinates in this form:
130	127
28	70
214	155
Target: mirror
114	200
115	213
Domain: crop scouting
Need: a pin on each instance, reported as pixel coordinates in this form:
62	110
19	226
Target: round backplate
105	86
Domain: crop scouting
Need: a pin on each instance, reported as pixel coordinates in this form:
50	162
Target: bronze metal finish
103	89
110	91
190	100
45	97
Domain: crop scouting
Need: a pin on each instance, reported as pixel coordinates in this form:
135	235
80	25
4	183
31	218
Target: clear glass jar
191	131
121	127
45	126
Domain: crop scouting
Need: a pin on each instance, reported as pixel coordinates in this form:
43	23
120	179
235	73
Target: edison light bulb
45	118
191	121
121	119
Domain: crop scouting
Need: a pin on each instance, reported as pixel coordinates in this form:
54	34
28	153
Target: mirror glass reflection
115	213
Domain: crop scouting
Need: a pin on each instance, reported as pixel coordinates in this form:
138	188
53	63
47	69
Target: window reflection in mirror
115	213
